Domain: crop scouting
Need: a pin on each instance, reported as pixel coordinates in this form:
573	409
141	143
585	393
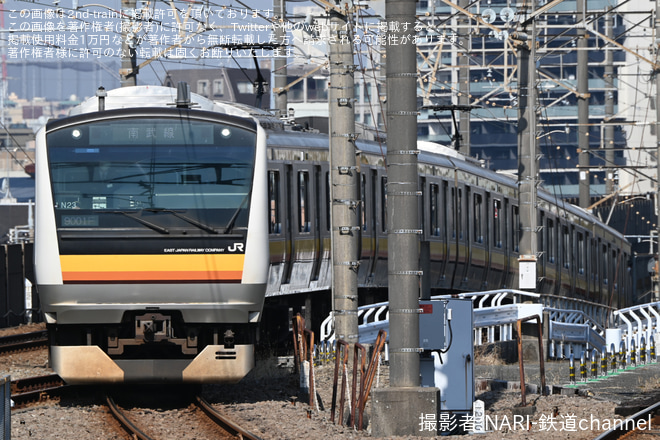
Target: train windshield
157	173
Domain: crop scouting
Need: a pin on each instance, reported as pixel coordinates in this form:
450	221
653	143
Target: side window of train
434	209
363	202
303	202
551	241
383	203
328	204
274	202
581	253
459	213
515	229
497	223
566	255
477	204
605	264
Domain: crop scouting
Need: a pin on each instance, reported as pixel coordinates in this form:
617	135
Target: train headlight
76	133
225	133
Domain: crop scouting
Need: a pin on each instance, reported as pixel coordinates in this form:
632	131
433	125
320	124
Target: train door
380	269
279	227
321	270
497	242
565	265
581	285
462	237
550	273
451	207
594	269
367	227
477	239
434	242
512	228
304	225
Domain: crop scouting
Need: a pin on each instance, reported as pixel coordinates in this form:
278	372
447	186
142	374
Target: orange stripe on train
197	267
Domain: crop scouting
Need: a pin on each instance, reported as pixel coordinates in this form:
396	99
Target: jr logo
236	247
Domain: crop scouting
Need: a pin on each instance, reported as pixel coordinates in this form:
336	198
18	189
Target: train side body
470	221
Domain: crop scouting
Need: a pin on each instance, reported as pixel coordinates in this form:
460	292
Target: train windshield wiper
193	222
153	226
232	220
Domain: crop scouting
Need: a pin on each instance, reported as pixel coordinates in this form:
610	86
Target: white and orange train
151	238
164	223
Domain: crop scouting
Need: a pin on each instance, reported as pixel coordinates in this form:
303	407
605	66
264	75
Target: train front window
172	173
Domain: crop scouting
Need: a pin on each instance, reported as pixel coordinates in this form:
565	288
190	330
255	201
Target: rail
5	411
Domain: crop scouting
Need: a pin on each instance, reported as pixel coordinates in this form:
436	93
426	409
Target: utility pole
129	70
583	106
344	177
397	408
527	153
280	74
464	79
608	76
657	140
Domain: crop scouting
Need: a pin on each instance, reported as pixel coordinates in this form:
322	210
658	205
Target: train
166	221
151	238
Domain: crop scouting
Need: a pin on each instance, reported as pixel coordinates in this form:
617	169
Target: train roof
159	96
279	136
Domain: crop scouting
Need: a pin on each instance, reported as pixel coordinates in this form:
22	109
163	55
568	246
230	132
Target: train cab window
497	224
434	209
478	218
274	202
304	216
581	253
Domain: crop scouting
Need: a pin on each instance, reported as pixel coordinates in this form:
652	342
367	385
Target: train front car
151	249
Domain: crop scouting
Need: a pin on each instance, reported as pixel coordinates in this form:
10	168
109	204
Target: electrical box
450	368
432	324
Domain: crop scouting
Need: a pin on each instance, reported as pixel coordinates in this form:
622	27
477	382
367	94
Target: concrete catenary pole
280	63
396	408
527	154
464	78
128	71
402	194
344	173
583	106
657	139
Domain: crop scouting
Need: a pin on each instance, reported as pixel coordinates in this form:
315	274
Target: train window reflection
303	202
434	209
497	224
274	202
478	219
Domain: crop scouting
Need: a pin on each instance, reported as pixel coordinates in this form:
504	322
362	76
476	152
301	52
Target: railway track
23	341
643	424
229	428
36	389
